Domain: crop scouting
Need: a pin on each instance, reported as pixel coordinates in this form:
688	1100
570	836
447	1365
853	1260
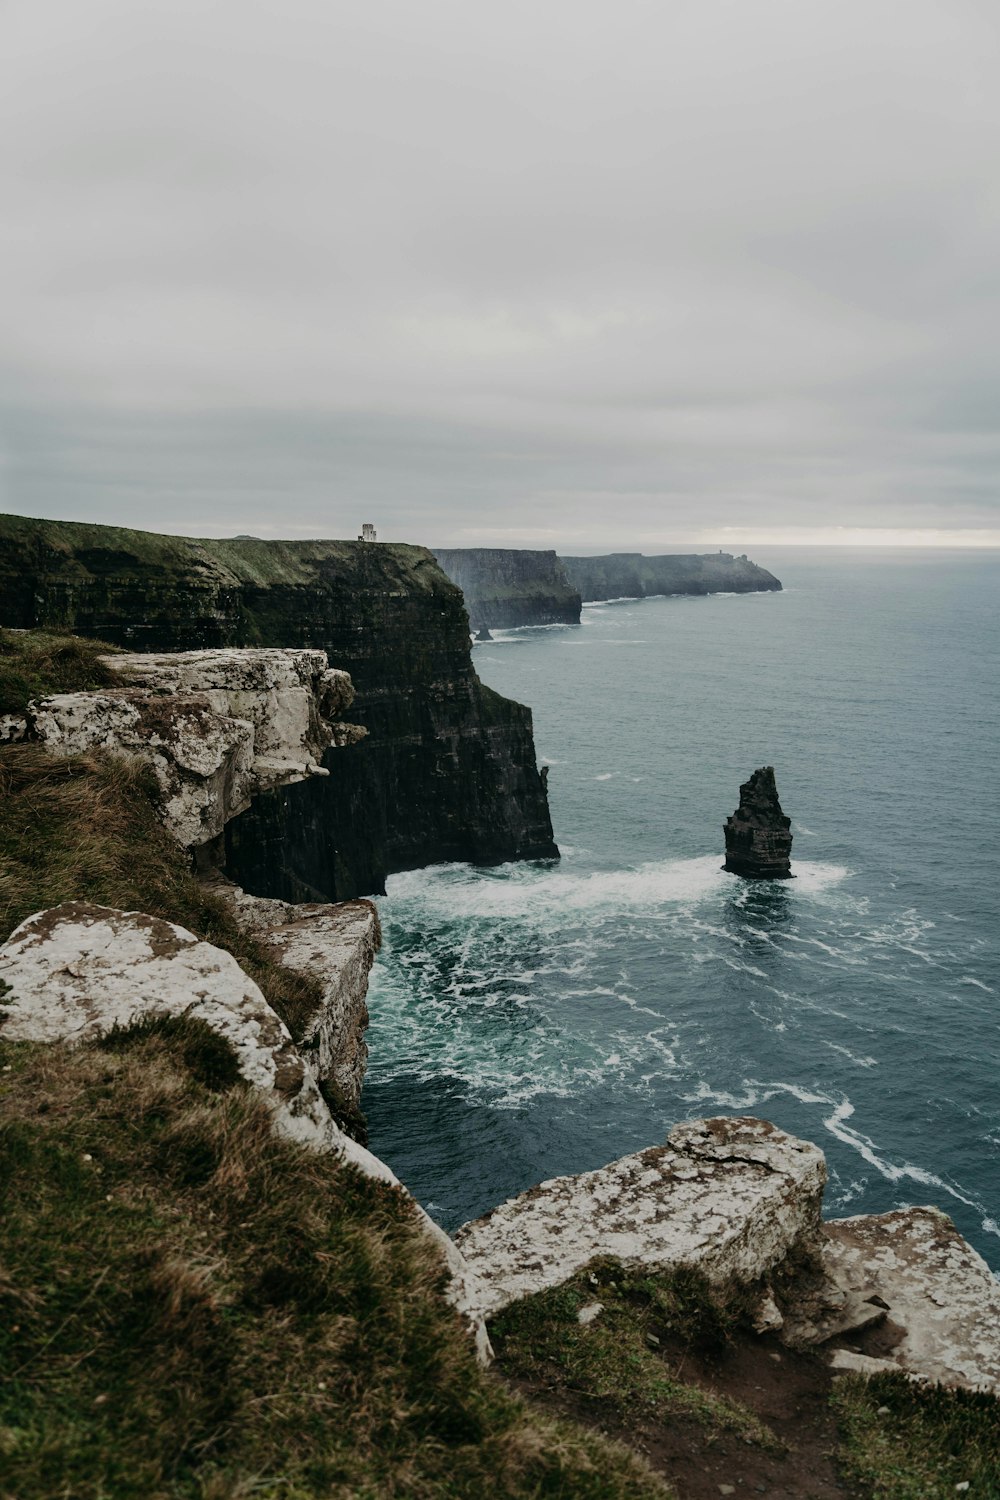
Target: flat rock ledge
731	1196
739	1200
73	972
217	727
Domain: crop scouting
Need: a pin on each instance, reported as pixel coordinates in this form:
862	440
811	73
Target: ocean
536	1019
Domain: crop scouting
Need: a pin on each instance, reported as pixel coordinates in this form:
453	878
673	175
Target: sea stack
758	837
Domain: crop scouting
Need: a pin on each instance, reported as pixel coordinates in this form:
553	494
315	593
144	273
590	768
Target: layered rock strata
758	836
72	973
217	727
629	575
447	770
505	588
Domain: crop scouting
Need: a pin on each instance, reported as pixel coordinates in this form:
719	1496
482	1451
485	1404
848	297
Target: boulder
731	1197
758	837
942	1299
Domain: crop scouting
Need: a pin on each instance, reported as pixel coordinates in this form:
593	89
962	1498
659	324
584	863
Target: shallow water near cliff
535	1019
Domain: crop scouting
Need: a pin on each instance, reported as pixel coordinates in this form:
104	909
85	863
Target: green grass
194	1309
34	664
612	1359
929	1440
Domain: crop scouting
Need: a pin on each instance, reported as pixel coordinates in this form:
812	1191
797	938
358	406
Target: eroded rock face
73	972
940	1297
731	1197
217	727
758	837
336	946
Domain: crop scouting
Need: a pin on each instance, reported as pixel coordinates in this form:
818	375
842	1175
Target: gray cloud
600	274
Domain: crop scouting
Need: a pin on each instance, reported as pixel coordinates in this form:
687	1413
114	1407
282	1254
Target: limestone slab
334	945
729	1196
217	727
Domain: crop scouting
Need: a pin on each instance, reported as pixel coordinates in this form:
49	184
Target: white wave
606	776
866	1148
971	979
861	1062
536	894
618	599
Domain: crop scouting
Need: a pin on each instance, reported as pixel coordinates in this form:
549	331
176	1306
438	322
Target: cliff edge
447	770
505	588
629	575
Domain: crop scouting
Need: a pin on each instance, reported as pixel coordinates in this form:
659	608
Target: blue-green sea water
536	1019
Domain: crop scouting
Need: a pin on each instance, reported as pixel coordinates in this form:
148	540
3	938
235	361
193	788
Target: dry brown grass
191	1307
36	663
86	828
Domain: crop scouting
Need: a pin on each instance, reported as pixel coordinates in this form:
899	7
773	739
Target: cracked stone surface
941	1295
730	1196
334	945
216	727
76	970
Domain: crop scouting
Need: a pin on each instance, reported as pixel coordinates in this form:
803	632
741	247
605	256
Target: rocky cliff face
216	727
629	575
505	588
447	770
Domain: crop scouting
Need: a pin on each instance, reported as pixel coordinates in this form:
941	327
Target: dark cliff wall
504	587
448	770
629	575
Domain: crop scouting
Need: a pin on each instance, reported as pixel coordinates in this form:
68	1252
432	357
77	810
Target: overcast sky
571	273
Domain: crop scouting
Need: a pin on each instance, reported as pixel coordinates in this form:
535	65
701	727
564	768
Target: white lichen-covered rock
943	1301
71	973
12	729
334	945
216	727
731	1197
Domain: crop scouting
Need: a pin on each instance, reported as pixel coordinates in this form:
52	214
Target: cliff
629	575
447	769
505	588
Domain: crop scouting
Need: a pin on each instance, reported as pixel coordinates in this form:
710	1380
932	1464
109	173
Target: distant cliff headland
505	588
447	770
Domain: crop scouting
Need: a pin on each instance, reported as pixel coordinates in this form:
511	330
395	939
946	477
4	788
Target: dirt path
787	1391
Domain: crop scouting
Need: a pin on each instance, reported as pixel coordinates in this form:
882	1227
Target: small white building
367	533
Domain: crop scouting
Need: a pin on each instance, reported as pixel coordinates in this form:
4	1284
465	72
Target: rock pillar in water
758	837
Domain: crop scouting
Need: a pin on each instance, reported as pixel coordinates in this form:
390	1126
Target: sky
584	274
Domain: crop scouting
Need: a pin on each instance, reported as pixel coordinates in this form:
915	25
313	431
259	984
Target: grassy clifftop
80	549
194	1309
